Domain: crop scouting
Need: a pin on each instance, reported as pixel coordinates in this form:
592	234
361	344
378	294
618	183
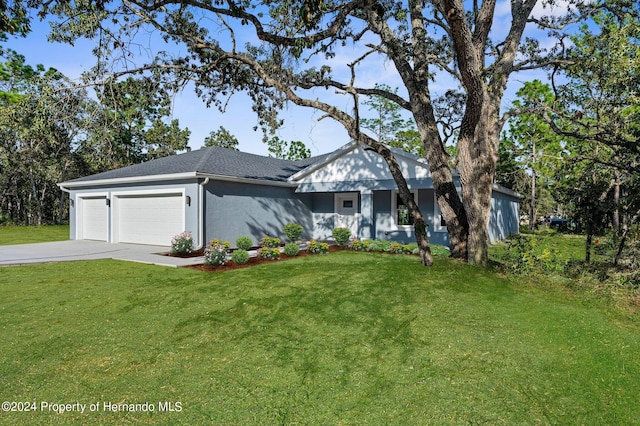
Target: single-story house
219	193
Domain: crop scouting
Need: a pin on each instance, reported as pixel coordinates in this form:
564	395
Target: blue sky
300	123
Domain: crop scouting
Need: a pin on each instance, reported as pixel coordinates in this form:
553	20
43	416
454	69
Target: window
400	210
347	204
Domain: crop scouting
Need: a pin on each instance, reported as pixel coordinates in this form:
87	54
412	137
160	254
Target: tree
222	138
286	62
294	150
595	110
534	145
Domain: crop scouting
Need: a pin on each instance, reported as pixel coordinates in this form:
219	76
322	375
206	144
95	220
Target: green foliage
271	253
240	256
215	254
222	138
315	247
525	255
182	243
360	245
293	231
342	236
294	150
225	244
244	243
268	241
291	249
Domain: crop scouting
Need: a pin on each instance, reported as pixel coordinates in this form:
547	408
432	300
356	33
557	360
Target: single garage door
150	219
94	222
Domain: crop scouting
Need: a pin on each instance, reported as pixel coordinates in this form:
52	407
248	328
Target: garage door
94	222
150	219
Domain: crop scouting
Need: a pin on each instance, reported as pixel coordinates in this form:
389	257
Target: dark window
347	204
402	212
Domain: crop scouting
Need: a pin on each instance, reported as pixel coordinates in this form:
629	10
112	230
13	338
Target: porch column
366	214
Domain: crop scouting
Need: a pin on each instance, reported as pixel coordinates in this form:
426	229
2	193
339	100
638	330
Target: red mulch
254	261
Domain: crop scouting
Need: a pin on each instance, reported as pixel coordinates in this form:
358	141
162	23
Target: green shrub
291	249
182	243
271	242
240	256
318	248
225	244
244	243
271	253
293	231
215	254
341	235
360	245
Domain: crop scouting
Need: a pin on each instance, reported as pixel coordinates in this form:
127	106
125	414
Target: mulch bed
254	261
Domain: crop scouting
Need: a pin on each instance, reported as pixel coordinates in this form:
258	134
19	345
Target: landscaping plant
244	243
215	254
271	253
268	241
291	249
342	236
240	256
318	248
182	243
293	231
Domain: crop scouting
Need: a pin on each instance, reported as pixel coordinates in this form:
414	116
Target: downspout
201	214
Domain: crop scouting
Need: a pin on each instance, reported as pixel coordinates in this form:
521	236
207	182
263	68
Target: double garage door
138	219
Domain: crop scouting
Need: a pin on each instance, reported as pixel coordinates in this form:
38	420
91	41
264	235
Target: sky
320	136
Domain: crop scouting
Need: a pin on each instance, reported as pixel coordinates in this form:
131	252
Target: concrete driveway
64	251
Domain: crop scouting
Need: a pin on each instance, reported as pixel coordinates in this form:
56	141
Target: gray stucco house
219	193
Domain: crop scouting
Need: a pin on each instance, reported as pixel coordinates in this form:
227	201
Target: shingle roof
215	161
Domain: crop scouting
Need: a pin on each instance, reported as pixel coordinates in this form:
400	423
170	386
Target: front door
346	211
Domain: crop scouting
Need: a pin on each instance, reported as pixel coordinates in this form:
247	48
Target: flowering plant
317	248
270	253
270	242
182	243
361	245
215	255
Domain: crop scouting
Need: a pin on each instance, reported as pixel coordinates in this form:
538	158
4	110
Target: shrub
318	248
271	253
240	256
215	254
270	242
225	244
342	236
291	249
244	243
182	243
293	231
360	245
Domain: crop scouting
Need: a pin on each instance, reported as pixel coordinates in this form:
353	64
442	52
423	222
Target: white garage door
150	219
94	222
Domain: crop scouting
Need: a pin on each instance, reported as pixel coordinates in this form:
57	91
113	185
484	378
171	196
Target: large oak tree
276	52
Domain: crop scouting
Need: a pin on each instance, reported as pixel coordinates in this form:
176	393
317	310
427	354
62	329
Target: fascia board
135	179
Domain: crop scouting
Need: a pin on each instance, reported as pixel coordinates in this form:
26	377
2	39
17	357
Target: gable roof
206	161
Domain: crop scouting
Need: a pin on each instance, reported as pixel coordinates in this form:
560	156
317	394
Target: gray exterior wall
189	187
505	216
233	210
384	224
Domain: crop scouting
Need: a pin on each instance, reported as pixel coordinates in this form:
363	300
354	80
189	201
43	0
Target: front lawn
33	234
344	338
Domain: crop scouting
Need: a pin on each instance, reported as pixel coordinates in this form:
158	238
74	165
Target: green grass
33	234
345	338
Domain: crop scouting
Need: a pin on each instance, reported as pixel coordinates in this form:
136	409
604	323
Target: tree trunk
420	225
616	202
532	210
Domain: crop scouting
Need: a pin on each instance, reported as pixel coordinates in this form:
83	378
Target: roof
209	161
